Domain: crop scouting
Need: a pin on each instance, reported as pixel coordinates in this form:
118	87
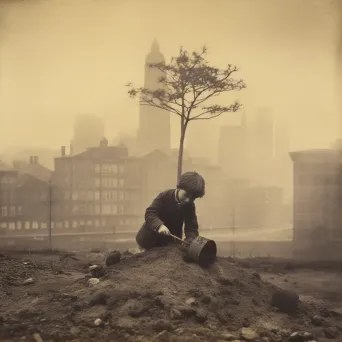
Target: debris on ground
152	296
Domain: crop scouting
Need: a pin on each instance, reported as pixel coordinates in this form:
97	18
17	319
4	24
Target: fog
60	58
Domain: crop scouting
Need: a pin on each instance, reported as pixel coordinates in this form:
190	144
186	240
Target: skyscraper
264	134
233	149
154	124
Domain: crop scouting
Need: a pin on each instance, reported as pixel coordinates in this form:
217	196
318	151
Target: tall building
264	134
88	131
233	149
154	123
101	188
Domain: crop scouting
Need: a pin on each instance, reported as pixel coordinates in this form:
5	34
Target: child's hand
163	230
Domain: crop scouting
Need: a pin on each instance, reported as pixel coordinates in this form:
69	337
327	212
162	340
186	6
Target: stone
317	320
37	337
28	281
285	301
113	258
249	334
97	271
300	336
98	322
201	315
190	301
93	281
175	314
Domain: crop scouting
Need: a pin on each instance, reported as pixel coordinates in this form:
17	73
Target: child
169	210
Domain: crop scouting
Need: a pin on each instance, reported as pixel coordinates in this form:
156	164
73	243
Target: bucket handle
180	240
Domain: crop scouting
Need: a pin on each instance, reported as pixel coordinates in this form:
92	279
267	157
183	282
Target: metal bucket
202	251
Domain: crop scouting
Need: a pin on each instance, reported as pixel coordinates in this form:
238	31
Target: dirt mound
156	295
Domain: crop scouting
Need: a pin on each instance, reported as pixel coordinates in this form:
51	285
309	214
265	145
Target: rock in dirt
97	271
113	258
28	281
317	320
286	301
248	334
37	337
98	322
93	281
301	336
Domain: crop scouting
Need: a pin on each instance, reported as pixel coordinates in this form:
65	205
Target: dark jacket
166	210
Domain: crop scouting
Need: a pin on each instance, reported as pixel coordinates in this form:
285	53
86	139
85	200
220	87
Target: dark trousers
147	238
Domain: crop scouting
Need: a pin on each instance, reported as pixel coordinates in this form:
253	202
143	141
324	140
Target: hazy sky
60	58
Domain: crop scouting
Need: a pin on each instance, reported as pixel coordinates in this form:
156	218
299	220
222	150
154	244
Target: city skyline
69	71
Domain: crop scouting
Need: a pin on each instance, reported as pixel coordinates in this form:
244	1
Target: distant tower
154	123
233	149
88	131
264	147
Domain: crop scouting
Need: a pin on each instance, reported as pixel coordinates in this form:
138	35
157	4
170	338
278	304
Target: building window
121	196
19	225
122	169
90	195
127	196
114	209
97	182
97	209
12	211
74	195
19	210
114	168
106	209
90	209
121	209
97	195
34	225
3	211
3	225
11	226
74	224
27	225
66	224
105	168
89	223
97	168
43	225
59	225
121	182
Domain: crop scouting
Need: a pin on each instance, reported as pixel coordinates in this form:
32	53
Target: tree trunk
181	149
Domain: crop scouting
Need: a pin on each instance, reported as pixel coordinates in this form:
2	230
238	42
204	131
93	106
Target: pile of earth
154	295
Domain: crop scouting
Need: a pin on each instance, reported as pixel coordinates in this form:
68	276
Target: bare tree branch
186	83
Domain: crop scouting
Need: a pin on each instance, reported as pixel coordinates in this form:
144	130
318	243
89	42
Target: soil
152	296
